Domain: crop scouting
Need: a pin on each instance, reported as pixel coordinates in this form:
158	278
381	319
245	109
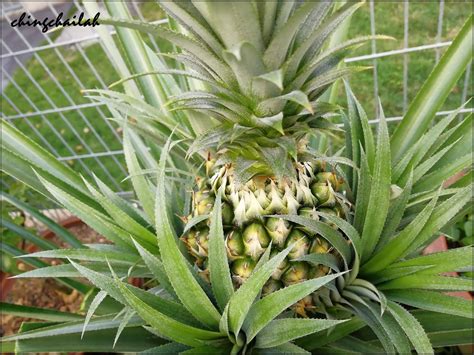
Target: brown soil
84	233
46	293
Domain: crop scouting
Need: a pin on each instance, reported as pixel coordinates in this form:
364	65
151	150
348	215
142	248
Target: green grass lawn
423	23
389	21
64	140
64	132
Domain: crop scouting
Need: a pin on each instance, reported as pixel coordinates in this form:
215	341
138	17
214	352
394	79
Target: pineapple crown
261	68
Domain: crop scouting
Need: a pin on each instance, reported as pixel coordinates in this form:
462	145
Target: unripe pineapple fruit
251	224
264	89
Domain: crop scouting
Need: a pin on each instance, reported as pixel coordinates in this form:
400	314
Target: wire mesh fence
44	74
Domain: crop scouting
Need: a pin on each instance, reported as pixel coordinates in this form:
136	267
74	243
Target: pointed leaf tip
275	77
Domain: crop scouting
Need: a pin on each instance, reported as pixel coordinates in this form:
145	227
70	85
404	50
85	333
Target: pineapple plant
263	86
252	241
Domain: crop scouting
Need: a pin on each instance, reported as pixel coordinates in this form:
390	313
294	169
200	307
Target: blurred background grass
423	20
423	27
